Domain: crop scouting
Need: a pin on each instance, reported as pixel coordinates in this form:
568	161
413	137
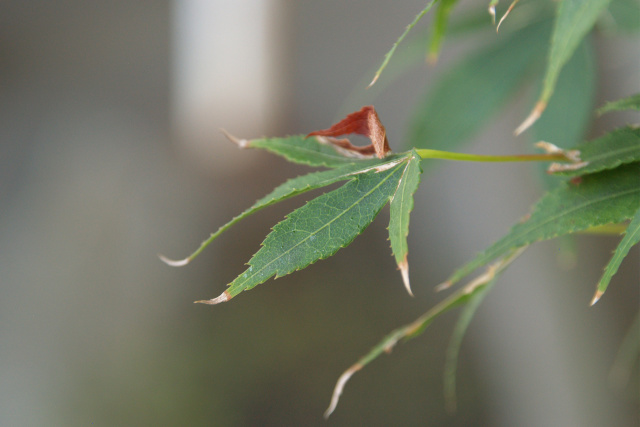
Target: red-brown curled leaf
364	122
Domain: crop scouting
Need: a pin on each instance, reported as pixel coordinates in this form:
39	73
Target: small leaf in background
460	297
453	350
400	207
606	197
570	109
439	29
465	97
412	54
574	19
320	228
631	238
630	103
389	54
300	149
565	123
364	122
617	147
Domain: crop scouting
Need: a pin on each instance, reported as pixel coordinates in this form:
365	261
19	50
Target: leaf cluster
593	183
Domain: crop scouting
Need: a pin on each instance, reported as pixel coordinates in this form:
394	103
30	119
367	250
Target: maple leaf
364	122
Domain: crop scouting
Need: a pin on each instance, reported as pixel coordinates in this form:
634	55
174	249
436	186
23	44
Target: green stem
426	153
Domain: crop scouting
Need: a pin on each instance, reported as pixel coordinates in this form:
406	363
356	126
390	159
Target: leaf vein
354	204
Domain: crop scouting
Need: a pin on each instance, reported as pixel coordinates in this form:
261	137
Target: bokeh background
110	154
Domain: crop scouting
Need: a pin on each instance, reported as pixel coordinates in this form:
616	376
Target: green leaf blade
631	238
570	109
441	20
315	180
310	151
574	19
630	103
618	147
400	208
318	229
603	198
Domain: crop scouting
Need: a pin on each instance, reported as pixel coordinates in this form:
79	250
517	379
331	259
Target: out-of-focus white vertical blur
227	72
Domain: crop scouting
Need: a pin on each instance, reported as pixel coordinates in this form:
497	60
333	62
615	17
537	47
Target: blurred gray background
110	154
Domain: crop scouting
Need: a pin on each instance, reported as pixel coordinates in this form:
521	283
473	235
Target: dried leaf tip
337	391
532	118
549	148
444	285
563	167
223	297
505	14
597	297
501	21
375	79
242	143
404	271
572	156
174	262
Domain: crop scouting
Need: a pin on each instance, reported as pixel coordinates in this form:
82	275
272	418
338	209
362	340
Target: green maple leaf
574	19
631	238
611	150
320	228
400	207
607	197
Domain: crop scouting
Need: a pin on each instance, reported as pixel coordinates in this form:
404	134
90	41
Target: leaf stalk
426	153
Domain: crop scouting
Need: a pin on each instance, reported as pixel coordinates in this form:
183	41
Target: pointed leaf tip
532	118
404	270
174	262
444	285
337	391
375	79
242	143
596	297
505	14
223	297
